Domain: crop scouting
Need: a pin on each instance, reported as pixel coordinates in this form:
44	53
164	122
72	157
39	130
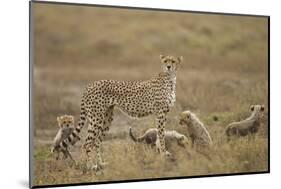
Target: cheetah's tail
227	131
73	137
132	136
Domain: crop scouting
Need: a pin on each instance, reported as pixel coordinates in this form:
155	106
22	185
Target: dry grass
224	72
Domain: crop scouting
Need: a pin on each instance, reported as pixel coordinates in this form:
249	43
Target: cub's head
65	121
185	118
183	140
258	110
170	63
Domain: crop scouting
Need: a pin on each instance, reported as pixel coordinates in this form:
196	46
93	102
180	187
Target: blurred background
225	67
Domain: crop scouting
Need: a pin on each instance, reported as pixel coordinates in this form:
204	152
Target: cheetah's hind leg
106	125
94	140
160	141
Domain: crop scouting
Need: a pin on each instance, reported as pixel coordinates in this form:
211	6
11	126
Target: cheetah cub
196	129
66	127
248	126
150	137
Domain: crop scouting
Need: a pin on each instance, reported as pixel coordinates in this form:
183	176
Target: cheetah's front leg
93	143
160	142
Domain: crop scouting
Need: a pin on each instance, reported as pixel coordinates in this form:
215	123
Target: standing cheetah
135	98
247	126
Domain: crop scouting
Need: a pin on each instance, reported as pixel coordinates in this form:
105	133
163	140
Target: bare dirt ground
225	70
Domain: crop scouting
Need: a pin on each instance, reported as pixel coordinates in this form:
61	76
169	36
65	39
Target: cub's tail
131	135
229	131
138	139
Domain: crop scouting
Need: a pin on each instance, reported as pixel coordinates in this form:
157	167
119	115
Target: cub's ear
262	108
58	119
162	56
72	119
180	59
252	108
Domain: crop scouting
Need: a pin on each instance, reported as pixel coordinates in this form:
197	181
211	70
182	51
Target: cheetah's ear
161	56
180	59
252	108
262	108
72	119
58	119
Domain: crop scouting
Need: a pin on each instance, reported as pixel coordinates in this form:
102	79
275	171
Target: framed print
121	94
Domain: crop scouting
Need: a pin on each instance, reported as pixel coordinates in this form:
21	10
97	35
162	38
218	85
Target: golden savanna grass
225	70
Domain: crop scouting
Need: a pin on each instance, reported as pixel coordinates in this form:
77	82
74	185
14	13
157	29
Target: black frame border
133	8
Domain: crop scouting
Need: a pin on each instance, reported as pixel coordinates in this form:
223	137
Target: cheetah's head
65	121
185	118
258	110
170	63
183	140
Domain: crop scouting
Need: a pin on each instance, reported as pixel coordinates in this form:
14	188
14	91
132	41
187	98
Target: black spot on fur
69	139
74	135
64	144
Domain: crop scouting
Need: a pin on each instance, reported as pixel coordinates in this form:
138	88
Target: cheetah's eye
173	61
165	61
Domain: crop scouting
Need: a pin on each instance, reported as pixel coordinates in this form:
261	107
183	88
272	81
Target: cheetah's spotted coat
135	98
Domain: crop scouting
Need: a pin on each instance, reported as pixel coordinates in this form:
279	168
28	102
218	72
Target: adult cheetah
248	126
135	98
